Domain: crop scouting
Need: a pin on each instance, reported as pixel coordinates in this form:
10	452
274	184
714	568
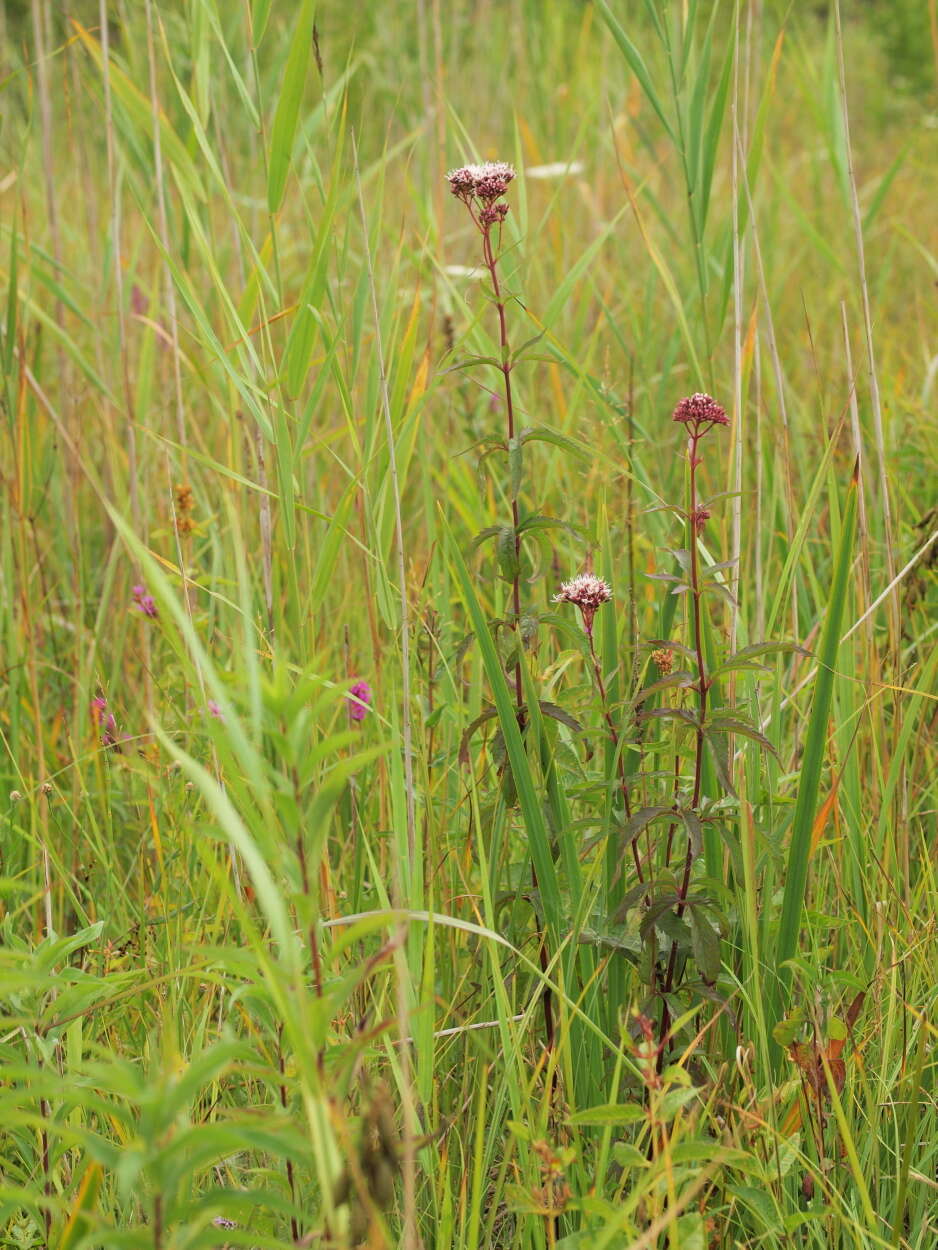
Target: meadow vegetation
468	630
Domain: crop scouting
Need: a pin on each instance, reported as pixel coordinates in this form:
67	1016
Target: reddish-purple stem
491	264
702	685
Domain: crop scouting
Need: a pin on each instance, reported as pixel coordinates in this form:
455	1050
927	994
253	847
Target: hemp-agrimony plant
481	189
680	921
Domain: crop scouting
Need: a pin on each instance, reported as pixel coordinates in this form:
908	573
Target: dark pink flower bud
699	517
493	214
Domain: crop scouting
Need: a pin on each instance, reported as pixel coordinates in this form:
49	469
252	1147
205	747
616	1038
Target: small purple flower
145	602
221	1221
215	710
359	696
105	722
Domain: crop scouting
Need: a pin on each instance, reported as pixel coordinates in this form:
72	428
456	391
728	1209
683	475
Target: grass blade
288	106
814	750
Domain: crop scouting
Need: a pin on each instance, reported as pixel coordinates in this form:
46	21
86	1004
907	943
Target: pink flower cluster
700	412
482	185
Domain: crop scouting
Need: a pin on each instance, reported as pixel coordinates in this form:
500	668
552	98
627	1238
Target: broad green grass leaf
283	130
813	759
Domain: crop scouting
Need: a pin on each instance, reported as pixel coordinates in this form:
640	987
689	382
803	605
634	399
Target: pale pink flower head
358	699
588	593
700	412
486	182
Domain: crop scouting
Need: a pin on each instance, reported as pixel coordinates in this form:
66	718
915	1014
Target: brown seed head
663	659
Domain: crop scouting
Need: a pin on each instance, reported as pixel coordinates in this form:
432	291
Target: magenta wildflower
222	1221
359	696
589	593
105	722
145	601
215	710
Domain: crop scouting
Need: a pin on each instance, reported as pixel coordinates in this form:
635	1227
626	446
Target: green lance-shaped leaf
705	944
807	800
288	105
635	62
